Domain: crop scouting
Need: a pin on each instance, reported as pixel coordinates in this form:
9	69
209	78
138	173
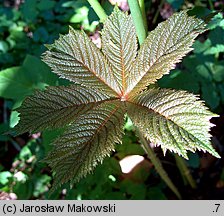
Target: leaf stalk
98	9
157	163
138	20
142	6
157	12
185	172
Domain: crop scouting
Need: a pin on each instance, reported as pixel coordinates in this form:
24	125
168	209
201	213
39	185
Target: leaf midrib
157	60
81	62
76	105
88	143
122	61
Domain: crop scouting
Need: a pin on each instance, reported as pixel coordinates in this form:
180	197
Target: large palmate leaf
87	142
163	48
176	120
110	83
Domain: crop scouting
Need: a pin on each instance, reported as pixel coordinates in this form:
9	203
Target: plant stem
185	172
5	115
158	165
157	12
211	5
98	9
138	20
142	7
16	145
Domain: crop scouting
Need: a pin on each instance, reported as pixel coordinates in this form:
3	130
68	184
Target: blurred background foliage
25	26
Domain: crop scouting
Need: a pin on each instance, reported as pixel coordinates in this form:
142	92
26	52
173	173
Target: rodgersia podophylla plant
113	82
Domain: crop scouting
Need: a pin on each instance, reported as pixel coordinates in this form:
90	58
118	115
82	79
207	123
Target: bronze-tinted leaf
74	57
175	120
56	107
119	44
163	48
86	142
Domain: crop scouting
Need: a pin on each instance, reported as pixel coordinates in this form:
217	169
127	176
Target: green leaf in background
23	190
199	11
218	71
29	10
176	4
20	176
3	46
201	74
216	40
49	136
14	119
218	48
81	16
108	7
9	85
4	177
210	95
115	168
155	193
216	21
216	36
200	66
46	5
135	190
25	153
18	82
75	4
41	185
200	47
41	35
180	80
129	146
41	73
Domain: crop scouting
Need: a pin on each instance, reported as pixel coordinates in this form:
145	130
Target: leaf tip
48	46
214	153
71	29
